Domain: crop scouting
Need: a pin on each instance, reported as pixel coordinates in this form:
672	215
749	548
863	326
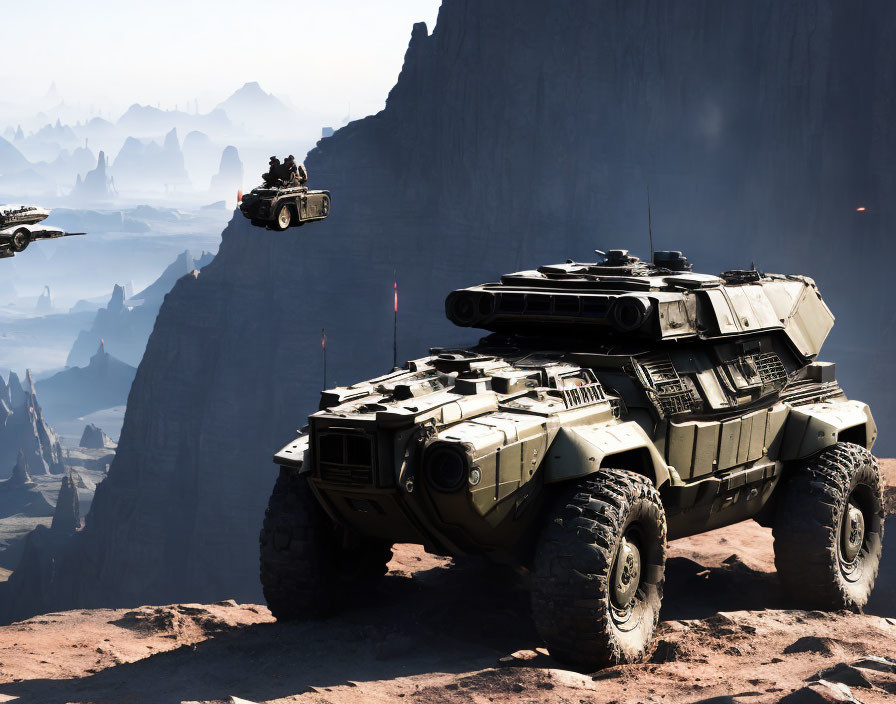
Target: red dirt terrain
445	633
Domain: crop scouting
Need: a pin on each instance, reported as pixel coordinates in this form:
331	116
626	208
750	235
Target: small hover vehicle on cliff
284	199
616	405
20	226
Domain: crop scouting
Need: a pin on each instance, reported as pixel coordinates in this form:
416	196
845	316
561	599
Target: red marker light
396	296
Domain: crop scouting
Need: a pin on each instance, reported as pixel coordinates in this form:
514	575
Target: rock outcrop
513	137
26	430
93	438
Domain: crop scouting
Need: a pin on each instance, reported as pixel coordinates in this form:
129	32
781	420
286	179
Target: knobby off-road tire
828	528
305	570
598	571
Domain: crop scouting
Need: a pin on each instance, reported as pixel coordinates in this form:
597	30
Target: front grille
670	393
345	457
586	395
770	368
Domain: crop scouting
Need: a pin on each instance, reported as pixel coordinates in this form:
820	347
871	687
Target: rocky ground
451	633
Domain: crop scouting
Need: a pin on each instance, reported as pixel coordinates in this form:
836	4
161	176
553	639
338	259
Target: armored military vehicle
615	406
278	208
20	226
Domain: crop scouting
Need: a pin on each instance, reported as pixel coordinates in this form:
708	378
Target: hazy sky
323	56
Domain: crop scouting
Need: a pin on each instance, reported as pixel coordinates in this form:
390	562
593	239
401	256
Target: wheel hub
852	534
627	573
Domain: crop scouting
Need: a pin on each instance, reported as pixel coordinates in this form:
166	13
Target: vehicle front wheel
284	217
20	240
598	571
306	571
828	528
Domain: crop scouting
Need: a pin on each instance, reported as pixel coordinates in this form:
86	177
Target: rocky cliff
515	135
125	324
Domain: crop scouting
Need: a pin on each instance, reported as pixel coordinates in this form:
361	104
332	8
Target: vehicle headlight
446	468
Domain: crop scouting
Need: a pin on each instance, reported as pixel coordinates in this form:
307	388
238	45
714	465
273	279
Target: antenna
649	224
395	326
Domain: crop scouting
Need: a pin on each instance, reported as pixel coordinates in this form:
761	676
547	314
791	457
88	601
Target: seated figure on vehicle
274	174
297	175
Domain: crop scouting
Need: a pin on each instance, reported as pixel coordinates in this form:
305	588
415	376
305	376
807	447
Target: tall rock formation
514	136
44	303
230	174
95	186
67	516
20	476
26	430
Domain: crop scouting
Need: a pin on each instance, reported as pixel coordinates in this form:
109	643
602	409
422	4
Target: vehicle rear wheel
305	570
828	528
284	217
20	240
598	571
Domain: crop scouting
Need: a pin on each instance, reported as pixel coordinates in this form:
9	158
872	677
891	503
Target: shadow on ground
451	621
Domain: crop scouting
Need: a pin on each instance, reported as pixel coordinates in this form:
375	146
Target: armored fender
580	451
814	427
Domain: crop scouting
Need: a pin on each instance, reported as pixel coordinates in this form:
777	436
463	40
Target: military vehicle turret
20	226
615	406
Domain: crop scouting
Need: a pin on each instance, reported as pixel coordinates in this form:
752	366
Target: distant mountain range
256	110
79	391
144	152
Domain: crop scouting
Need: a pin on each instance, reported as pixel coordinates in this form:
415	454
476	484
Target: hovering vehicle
284	199
20	226
278	208
615	406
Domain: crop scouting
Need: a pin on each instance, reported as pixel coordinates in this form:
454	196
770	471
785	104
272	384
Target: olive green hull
459	450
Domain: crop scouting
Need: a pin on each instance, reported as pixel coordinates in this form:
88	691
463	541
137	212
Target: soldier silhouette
274	173
297	174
